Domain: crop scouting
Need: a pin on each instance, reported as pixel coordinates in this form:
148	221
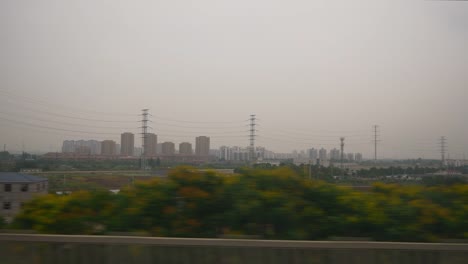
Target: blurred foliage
273	203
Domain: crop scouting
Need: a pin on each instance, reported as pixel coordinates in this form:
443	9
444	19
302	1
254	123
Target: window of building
6	205
24	187
38	187
7	187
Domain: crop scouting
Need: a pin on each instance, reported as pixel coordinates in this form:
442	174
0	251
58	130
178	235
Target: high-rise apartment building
358	157
236	153
108	147
85	150
225	153
168	148
323	154
137	151
68	146
240	154
260	153
71	146
335	154
151	143
94	146
350	156
159	148
127	144
202	146
185	148
313	154
117	149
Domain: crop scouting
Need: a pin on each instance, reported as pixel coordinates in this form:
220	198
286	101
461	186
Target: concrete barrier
50	249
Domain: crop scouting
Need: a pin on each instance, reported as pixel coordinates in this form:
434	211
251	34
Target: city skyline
93	148
168	138
311	72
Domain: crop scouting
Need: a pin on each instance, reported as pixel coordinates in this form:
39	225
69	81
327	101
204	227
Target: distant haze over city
311	72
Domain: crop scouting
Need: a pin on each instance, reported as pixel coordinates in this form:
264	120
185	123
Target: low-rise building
17	188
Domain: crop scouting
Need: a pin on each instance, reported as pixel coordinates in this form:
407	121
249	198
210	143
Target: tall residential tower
108	148
151	142
202	146
127	144
185	148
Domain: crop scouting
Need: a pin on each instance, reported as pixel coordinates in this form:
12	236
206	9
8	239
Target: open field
89	180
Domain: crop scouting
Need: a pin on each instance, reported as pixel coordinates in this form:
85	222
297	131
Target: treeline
365	176
323	172
387	171
270	204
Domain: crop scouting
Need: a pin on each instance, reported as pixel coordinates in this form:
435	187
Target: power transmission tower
342	153
443	149
376	140
252	139
144	133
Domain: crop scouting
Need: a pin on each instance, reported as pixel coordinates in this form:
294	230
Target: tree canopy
270	204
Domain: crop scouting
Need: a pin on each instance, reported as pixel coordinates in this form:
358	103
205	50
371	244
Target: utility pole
144	133
252	136
376	136
443	149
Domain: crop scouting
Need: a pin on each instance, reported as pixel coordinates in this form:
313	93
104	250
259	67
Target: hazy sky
311	71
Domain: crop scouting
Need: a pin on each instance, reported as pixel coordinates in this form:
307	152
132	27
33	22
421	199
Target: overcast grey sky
310	70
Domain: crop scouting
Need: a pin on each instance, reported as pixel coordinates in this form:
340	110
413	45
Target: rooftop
19	177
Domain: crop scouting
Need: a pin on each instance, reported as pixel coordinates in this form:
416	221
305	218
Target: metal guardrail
51	249
207	242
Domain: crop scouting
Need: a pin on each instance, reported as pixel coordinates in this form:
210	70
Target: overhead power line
311	139
262	138
48	104
328	132
197	122
211	136
74	110
76	117
199	132
158	123
10	114
54	128
64	134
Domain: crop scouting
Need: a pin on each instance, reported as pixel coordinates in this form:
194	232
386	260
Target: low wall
50	249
